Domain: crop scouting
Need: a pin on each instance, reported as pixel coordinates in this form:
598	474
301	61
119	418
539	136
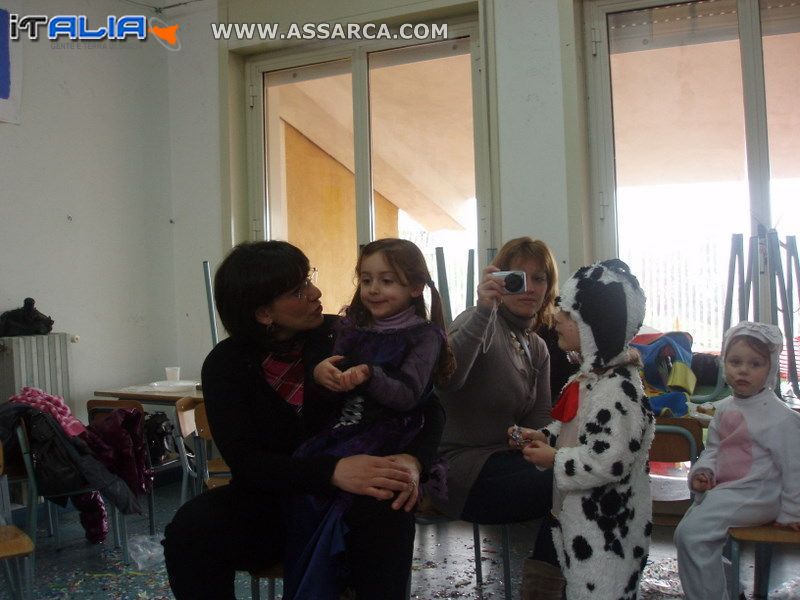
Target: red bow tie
567	406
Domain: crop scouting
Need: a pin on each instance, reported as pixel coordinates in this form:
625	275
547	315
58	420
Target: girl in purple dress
387	357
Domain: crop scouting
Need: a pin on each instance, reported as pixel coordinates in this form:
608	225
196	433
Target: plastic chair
118	523
184	415
98	410
676	440
428	515
215	471
16	547
764	537
193	424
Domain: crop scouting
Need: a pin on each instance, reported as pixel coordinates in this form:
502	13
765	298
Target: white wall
195	176
85	203
532	124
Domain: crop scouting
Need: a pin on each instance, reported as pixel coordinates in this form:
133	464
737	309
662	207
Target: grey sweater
487	394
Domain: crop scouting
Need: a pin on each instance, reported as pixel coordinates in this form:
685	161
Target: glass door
422	147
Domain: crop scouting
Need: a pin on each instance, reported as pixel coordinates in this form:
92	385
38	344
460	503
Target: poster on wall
10	66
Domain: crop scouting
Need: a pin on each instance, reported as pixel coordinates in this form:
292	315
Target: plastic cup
173	373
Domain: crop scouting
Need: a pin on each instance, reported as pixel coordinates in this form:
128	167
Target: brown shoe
541	581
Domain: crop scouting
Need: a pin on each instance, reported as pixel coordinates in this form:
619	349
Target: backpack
53	460
158	431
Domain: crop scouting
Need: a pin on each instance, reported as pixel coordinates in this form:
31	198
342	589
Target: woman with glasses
262	403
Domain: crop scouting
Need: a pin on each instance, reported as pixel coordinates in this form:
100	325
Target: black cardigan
257	431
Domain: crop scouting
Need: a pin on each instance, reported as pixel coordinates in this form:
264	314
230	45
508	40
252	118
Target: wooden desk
147	395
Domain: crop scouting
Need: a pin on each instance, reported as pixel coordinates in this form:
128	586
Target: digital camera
514	281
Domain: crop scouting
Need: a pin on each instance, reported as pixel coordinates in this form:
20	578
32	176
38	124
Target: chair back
99	409
677	440
185	413
201	419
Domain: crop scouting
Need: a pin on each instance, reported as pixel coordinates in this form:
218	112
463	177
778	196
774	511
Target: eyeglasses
301	293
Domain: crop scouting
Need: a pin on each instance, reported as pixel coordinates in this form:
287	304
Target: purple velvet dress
379	418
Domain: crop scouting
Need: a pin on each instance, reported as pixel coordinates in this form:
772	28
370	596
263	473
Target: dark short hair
253	275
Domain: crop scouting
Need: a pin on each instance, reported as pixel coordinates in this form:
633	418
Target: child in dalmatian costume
598	445
749	472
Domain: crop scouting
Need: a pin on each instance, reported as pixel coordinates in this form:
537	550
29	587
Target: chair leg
27	577
52	519
733	584
506	562
114	518
476	536
255	592
270	589
51	531
763	560
151	511
10	579
184	487
123	535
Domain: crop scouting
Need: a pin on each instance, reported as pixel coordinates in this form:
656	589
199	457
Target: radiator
34	360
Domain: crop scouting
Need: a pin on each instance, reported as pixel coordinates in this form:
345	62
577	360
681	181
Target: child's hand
328	375
354	376
702	482
795	525
518	437
539	453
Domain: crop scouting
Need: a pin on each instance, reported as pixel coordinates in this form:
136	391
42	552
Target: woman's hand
407	499
490	289
539	453
519	437
376	476
702	481
328	375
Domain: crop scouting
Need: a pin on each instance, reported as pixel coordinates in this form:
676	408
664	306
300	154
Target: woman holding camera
502	378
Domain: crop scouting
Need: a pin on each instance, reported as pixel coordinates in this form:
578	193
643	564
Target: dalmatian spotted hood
608	304
769	334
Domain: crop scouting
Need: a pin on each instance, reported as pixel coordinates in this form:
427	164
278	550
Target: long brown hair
526	247
406	259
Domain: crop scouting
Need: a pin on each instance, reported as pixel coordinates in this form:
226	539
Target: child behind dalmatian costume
749	472
598	445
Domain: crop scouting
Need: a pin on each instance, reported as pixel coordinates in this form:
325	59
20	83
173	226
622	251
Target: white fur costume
605	519
754	454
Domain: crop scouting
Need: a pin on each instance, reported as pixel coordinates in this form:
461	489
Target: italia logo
77	27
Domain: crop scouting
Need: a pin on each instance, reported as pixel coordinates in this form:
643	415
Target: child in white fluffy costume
598	444
749	472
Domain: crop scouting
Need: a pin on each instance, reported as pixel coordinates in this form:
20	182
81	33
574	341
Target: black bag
158	431
25	321
706	368
54	466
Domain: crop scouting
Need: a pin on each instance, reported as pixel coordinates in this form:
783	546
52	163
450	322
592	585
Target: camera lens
514	282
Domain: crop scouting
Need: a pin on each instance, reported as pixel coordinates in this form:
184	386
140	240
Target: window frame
602	179
357	52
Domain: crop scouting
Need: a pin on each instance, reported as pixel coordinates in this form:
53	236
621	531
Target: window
680	155
366	142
